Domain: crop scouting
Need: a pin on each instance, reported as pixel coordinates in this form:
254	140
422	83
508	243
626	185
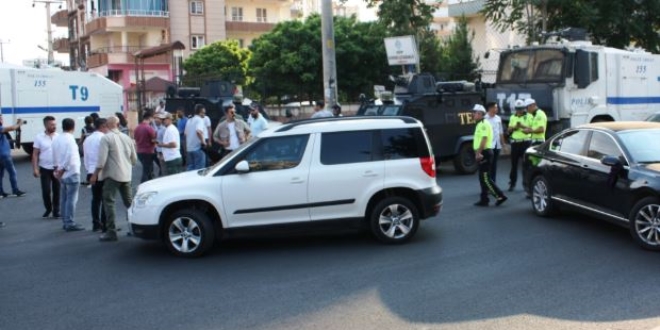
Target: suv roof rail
293	124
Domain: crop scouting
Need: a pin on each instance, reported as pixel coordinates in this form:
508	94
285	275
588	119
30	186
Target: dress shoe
56	215
512	187
108	237
481	203
96	226
46	215
501	200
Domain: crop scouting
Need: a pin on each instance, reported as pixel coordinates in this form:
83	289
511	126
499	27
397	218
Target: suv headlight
142	199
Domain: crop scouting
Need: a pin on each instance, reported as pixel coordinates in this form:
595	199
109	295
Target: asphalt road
469	268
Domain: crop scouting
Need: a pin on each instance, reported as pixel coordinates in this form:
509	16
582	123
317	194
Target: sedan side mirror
611	161
242	167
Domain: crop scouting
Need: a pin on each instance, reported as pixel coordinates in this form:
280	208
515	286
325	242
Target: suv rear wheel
188	233
394	220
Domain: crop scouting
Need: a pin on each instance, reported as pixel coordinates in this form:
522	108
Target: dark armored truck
445	108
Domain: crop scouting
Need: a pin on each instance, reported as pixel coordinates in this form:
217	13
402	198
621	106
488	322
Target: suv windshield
530	66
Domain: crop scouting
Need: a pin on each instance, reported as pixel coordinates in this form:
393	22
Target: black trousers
517	153
485	181
50	190
98	213
493	164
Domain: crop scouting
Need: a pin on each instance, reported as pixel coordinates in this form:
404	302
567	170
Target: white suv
371	172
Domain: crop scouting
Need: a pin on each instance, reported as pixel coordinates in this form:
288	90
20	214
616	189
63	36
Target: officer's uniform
481	131
519	140
539	119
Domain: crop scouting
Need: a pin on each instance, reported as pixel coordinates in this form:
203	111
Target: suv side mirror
242	167
611	161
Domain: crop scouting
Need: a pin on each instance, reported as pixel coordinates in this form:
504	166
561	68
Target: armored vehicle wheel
464	161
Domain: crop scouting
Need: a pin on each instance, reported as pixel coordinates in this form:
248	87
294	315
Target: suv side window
603	145
403	143
571	142
347	147
277	153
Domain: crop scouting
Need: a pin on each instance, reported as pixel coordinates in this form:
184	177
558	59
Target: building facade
105	35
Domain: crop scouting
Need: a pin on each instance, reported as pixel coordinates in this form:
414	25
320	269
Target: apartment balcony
468	8
250	27
126	20
122	55
60	18
61	45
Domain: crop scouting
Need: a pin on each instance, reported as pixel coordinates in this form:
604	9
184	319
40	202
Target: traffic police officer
483	144
518	138
539	122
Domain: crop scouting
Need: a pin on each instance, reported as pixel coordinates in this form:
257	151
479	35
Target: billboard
401	50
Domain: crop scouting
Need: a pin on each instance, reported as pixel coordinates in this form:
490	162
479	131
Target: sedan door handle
297	180
369	174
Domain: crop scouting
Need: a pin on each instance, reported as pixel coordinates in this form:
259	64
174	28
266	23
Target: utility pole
49	27
329	63
2	53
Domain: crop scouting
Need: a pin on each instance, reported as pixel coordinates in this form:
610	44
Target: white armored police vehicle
31	94
576	82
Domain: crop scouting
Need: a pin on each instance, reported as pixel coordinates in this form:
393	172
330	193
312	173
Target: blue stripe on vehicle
633	100
47	110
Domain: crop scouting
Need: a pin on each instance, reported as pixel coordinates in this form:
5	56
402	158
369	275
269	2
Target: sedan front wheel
645	223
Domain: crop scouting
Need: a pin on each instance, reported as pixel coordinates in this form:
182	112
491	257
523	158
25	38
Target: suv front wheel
188	233
394	220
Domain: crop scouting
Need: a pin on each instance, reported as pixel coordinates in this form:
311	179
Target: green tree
457	60
411	17
360	55
222	59
288	60
611	23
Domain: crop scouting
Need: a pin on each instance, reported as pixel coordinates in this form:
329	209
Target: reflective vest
483	129
525	122
539	120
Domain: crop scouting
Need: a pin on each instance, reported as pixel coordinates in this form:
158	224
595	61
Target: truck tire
464	161
27	147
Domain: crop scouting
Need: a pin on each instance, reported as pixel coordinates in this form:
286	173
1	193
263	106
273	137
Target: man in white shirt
256	121
320	111
43	167
232	132
170	146
196	139
91	154
160	108
67	170
498	136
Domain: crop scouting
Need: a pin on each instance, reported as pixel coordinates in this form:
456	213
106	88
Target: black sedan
610	170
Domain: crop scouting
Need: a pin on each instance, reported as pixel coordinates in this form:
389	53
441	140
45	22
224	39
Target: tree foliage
411	17
224	59
288	60
457	60
612	23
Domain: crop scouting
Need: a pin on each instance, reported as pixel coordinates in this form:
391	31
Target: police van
31	94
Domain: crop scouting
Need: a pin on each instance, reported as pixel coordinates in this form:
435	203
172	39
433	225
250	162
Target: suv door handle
297	180
369	174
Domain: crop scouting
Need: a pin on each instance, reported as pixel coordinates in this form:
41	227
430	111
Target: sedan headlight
142	199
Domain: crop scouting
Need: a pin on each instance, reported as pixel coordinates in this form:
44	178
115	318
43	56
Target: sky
23	28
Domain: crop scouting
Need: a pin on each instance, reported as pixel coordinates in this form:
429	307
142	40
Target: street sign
401	50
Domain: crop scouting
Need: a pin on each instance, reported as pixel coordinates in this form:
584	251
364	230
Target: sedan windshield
637	143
